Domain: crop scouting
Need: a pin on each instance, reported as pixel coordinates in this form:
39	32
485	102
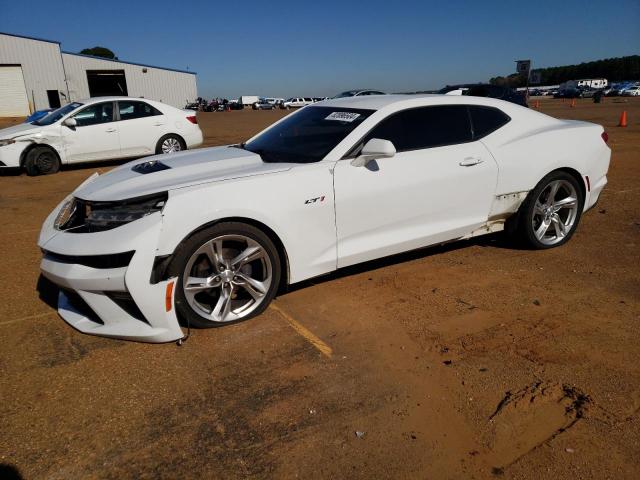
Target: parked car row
623	89
269	103
475	89
486	90
214	105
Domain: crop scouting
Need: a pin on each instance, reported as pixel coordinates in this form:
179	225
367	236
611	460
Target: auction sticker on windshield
342	116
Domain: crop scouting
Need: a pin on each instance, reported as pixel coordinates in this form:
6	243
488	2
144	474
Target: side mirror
70	122
373	149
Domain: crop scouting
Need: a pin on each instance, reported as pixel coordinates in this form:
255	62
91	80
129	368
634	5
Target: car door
95	136
439	186
140	125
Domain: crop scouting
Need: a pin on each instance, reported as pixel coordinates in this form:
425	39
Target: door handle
110	130
470	161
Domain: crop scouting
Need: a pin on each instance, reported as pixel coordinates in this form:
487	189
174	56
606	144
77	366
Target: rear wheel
550	215
170	143
41	161
227	273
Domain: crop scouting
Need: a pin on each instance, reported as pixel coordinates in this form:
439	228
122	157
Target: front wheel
170	143
227	273
41	161
551	212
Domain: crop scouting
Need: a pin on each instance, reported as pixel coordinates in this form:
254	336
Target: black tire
188	247
178	138
522	225
41	160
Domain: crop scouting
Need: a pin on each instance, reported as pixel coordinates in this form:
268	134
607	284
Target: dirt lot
474	360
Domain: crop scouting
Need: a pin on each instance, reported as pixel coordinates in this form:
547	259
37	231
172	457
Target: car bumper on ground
105	281
594	194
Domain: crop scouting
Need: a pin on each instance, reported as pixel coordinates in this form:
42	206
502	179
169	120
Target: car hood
19	130
178	170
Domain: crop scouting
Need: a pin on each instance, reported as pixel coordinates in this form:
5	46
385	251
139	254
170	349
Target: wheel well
512	222
25	152
282	252
579	178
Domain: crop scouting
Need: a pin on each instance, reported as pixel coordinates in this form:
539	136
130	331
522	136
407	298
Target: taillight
193	119
605	137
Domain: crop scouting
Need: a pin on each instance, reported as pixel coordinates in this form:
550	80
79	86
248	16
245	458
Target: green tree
99	52
613	69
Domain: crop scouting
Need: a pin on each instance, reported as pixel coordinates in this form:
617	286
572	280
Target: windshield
57	114
308	135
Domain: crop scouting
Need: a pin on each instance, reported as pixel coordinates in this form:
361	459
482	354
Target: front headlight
107	215
6	142
81	216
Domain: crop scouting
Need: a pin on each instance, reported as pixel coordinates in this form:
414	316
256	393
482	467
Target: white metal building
36	74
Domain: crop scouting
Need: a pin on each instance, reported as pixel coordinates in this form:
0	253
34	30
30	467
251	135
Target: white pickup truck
248	99
296	102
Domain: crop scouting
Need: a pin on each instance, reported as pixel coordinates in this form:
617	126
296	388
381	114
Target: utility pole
523	67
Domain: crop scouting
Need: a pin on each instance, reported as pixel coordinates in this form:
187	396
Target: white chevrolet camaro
101	128
208	237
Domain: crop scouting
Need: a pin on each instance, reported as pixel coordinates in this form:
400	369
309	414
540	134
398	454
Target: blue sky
286	48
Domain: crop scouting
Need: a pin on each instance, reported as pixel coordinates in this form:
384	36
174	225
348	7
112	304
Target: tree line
613	69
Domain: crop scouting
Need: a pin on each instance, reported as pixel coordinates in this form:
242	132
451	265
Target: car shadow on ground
498	240
48	293
9	472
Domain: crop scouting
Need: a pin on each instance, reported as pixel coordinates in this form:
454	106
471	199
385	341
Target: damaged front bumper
10	154
105	281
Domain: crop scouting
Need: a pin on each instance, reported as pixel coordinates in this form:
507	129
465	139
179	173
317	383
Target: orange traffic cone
537	104
623	119
573	103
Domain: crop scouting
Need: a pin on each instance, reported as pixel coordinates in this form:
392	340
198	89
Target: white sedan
631	92
208	237
101	128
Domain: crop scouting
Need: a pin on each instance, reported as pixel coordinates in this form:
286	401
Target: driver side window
95	114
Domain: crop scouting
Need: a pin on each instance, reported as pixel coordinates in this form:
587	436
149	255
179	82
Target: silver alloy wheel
227	278
171	145
555	212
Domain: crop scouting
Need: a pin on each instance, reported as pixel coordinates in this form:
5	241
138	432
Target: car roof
88	101
469	85
378	102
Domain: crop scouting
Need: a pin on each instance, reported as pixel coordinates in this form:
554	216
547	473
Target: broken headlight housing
81	216
66	212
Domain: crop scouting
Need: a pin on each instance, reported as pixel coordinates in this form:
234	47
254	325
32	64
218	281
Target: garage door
13	96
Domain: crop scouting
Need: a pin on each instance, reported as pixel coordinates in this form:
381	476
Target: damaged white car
101	128
208	237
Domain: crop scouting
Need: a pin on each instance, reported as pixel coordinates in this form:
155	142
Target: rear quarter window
486	120
425	127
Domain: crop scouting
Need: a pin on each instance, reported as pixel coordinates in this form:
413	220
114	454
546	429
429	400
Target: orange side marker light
168	298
